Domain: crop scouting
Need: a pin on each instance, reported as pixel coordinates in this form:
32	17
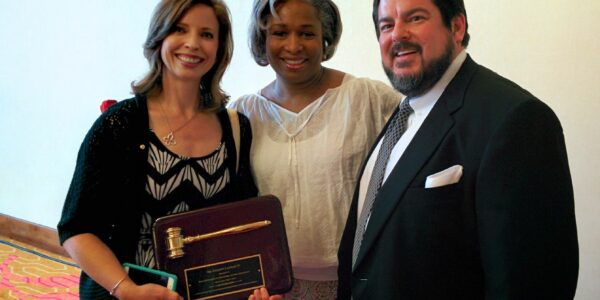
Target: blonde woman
167	150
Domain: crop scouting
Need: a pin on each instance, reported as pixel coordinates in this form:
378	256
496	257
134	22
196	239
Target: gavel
176	241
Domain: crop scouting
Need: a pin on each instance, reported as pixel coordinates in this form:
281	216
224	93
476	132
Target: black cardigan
108	183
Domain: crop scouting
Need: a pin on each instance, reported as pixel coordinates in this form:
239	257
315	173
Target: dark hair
165	17
329	15
448	9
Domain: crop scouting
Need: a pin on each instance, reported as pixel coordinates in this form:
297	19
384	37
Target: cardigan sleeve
92	203
82	205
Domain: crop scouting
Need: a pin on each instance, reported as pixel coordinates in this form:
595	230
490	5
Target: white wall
60	58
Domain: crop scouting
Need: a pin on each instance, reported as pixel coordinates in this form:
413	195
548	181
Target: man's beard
420	82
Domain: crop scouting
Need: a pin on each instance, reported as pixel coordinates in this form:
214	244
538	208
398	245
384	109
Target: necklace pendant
169	139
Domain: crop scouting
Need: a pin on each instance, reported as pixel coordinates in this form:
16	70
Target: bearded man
467	193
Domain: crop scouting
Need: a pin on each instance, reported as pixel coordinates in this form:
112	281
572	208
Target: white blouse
310	160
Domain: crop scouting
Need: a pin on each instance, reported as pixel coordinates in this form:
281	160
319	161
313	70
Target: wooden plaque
226	251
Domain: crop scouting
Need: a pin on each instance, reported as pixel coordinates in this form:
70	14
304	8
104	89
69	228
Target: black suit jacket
506	230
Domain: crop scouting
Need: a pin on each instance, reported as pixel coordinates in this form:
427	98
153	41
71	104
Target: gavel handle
227	231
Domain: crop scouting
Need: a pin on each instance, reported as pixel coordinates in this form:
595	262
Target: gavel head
174	243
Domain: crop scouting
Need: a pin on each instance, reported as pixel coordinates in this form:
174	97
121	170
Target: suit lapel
423	145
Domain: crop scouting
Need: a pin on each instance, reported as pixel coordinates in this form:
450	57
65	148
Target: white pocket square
445	177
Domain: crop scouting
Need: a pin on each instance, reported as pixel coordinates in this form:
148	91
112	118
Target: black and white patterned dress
177	184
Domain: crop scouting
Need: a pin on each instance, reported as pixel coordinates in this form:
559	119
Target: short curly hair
331	23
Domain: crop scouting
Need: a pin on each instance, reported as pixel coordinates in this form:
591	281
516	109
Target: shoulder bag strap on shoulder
235	129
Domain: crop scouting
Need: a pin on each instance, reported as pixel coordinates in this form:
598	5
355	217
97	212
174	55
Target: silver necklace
169	139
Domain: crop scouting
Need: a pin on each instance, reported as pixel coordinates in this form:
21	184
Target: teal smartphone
142	275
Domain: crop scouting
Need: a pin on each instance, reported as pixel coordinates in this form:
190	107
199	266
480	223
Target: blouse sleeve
387	98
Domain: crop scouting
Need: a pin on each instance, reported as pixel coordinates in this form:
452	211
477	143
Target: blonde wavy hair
165	17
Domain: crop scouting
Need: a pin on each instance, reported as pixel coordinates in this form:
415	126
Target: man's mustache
404	46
